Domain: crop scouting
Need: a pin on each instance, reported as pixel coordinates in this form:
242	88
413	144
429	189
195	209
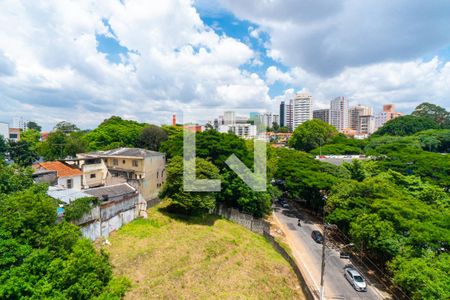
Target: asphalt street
310	254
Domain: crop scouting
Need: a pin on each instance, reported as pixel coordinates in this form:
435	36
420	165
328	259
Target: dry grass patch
167	257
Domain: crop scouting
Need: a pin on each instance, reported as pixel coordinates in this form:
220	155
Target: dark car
317	236
344	255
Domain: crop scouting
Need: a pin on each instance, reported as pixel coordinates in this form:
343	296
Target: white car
355	279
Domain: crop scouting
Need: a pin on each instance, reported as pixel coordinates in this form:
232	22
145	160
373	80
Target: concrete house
67	176
93	168
143	169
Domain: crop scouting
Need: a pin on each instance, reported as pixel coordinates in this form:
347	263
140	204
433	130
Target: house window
135	163
69	183
92	175
115	162
157	174
123	161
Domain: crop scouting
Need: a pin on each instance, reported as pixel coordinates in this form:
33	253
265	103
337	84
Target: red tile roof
62	169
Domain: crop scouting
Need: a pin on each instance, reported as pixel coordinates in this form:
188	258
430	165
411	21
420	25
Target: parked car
285	205
355	279
317	236
344	255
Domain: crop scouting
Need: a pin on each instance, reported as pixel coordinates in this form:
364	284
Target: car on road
355	279
285	205
317	236
344	255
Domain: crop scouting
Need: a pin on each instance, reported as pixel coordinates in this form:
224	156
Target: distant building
229	118
288	116
282	114
14	134
267	120
386	115
68	177
19	122
322	114
4	130
354	114
241	130
339	113
366	124
301	109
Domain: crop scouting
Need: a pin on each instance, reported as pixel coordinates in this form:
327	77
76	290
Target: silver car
355	279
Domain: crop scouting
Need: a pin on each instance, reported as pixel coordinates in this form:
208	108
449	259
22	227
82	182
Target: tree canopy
428	110
151	137
407	125
312	134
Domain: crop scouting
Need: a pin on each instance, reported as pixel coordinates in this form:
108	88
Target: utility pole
322	271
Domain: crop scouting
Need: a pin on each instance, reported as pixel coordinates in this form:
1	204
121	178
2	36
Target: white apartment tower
339	113
229	118
301	107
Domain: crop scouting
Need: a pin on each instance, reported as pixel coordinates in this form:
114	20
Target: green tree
14	178
435	112
356	170
65	127
185	201
151	137
32	137
312	134
34	126
3	147
21	152
113	133
406	125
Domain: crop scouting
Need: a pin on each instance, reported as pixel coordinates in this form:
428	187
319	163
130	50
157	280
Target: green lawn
167	257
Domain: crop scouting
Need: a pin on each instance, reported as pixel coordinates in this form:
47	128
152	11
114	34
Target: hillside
172	258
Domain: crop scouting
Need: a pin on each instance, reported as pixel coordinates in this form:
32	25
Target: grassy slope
171	258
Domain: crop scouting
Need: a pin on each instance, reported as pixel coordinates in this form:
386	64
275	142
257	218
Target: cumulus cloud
325	37
173	61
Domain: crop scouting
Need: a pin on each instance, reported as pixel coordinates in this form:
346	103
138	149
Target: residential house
143	169
68	176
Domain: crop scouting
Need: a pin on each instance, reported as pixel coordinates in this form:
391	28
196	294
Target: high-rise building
354	114
339	113
229	118
282	114
322	114
301	107
366	124
288	116
19	122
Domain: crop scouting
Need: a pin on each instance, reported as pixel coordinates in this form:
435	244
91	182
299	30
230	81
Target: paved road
310	254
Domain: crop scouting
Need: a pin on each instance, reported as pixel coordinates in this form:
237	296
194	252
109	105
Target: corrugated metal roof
111	190
65	195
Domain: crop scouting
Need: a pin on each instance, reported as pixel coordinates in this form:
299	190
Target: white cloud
175	61
405	84
325	37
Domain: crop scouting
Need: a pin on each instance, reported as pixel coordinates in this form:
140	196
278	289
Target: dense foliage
39	258
76	209
113	133
312	134
151	137
187	201
407	125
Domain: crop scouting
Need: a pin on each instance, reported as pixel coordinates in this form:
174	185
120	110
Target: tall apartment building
19	122
301	107
366	124
282	114
354	114
339	113
322	114
229	118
